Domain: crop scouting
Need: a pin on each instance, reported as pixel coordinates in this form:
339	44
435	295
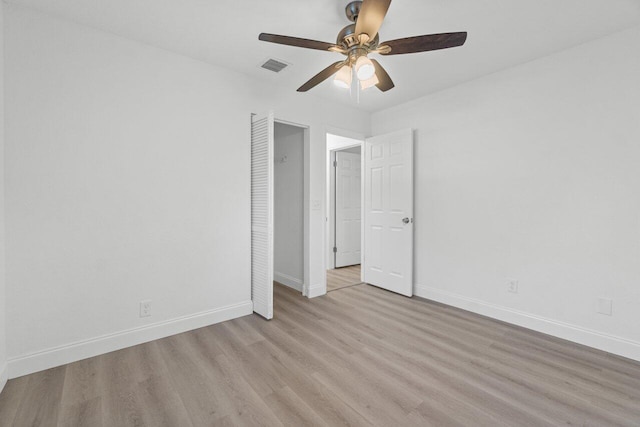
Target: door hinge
335	163
335	250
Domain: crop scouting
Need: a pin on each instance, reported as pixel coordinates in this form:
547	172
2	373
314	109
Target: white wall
3	348
288	195
533	174
128	179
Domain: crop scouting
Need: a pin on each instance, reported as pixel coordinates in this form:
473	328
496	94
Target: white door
388	212
262	140
348	209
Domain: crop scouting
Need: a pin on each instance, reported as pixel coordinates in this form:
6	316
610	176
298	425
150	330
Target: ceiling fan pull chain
351	94
357	85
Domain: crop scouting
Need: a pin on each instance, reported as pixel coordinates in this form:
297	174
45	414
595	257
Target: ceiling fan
356	41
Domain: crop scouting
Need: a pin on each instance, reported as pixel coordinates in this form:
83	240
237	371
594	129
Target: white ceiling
502	33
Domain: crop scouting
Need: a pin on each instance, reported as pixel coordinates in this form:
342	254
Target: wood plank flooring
357	356
342	277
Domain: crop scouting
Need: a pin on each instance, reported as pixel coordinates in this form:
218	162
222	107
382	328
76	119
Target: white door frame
306	197
329	260
318	262
336	192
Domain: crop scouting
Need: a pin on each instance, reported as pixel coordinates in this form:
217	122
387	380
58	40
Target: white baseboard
4	376
73	352
317	290
289	281
609	343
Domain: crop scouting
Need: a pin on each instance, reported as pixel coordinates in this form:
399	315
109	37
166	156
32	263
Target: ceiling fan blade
372	13
424	43
295	41
321	76
384	81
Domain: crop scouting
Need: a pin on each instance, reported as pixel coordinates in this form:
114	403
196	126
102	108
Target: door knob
405	220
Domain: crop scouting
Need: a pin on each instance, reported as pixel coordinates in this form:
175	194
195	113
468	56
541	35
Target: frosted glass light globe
366	84
343	78
364	68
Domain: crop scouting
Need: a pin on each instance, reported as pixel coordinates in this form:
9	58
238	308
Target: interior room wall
127	179
3	346
288	210
532	175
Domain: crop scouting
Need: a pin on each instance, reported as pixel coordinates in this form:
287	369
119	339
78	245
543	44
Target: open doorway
344	211
293	144
288	206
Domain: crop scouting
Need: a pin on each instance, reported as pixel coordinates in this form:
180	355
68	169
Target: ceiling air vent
274	65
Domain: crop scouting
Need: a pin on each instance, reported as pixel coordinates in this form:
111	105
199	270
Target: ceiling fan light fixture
343	78
366	84
357	40
364	68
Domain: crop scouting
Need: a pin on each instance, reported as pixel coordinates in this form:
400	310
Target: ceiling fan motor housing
353	10
346	36
348	39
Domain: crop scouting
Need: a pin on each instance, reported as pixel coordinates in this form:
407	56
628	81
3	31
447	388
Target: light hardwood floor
342	277
357	356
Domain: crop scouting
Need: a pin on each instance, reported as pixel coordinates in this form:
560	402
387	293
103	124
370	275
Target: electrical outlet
605	306
145	308
512	286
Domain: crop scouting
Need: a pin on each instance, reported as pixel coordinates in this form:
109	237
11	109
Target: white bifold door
262	142
348	209
388	212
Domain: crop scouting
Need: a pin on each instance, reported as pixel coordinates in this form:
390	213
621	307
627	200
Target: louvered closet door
262	215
